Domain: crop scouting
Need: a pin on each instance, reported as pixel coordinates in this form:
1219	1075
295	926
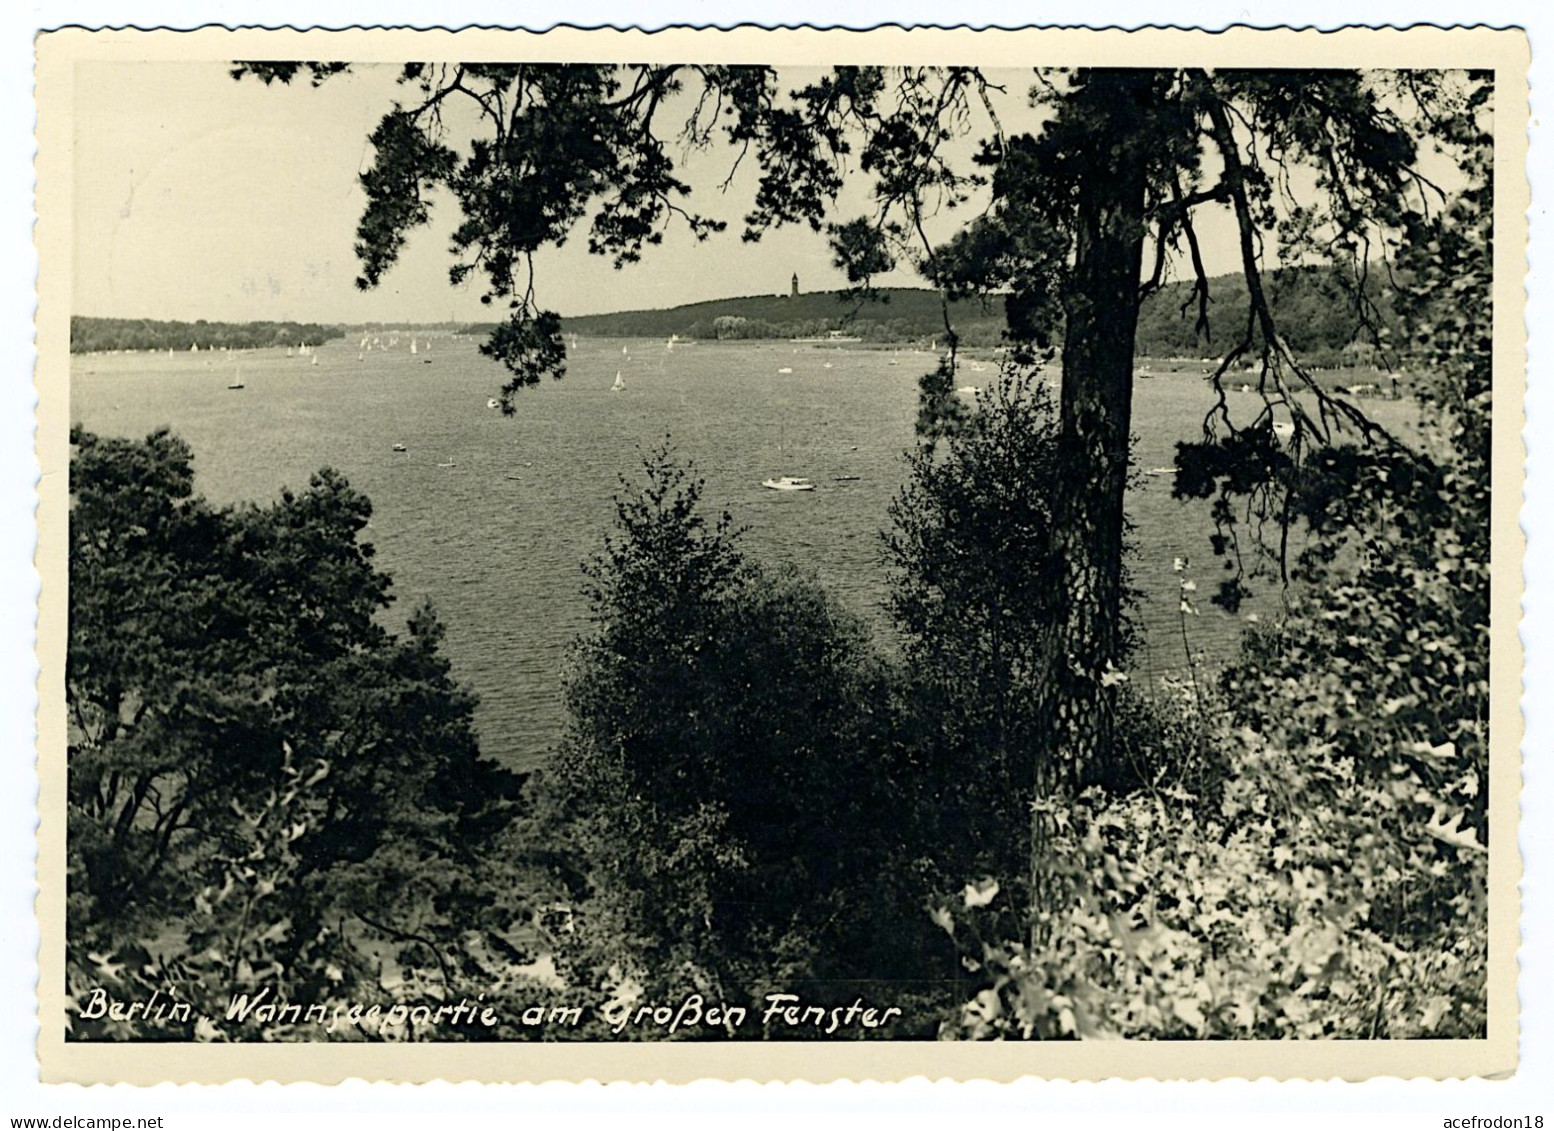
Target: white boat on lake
788	483
620	383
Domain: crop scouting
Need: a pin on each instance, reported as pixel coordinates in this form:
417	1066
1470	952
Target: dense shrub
730	811
265	784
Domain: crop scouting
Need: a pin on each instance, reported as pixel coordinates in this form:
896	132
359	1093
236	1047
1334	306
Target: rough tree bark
1101	308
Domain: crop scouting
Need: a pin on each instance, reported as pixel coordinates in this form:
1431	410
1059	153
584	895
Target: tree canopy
253	756
1085	217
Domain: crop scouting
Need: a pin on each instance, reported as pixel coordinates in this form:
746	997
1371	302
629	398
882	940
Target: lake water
498	539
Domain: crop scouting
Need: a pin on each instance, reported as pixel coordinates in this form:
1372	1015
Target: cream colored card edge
1426	47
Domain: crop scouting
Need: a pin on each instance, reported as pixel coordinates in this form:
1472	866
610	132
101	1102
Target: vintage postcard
789	555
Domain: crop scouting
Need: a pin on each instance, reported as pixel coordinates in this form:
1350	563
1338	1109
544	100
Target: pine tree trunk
1096	404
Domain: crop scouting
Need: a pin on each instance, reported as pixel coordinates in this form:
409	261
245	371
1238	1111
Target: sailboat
412	347
620	383
786	482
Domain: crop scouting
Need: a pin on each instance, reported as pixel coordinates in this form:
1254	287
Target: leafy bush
975	597
978	601
1268	916
727	813
265	785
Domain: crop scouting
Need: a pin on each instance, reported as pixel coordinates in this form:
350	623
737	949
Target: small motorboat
786	369
848	478
399	447
235	384
450	463
492	402
788	483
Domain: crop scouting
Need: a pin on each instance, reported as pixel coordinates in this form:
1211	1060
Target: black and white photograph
851	549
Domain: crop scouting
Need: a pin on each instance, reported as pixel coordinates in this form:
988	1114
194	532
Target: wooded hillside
1318	316
93	335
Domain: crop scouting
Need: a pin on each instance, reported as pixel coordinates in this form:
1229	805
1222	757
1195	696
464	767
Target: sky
200	197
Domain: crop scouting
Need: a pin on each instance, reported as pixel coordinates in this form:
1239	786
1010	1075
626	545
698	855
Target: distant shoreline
1316	309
